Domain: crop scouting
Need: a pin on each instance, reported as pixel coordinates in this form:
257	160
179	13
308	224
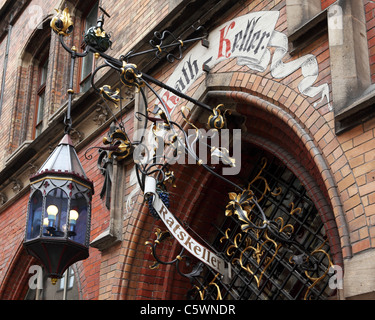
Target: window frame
40	91
70	282
82	81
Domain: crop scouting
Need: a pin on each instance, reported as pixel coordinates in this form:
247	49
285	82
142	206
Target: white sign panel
182	236
249	39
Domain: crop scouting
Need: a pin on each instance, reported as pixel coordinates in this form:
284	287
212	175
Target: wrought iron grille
263	267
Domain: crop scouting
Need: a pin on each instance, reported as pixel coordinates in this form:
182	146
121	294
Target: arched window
34	76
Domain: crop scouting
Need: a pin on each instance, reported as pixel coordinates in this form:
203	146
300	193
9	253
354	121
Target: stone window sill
357	112
312	29
105	240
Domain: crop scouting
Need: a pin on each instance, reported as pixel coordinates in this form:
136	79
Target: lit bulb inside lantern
73	216
45	222
52	211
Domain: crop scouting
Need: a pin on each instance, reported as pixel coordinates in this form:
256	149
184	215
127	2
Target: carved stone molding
32	168
17	185
3	198
101	115
76	136
128	93
113	234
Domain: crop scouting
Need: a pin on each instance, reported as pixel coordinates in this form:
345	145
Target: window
70	280
40	101
87	62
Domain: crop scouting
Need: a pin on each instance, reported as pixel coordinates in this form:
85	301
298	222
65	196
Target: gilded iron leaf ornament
240	205
223	154
110	95
259	251
130	76
212	283
61	23
161	236
217	120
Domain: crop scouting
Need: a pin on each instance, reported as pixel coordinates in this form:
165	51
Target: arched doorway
264	267
288	175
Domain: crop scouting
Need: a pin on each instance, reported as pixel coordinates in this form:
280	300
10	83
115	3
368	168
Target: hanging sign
182	236
249	39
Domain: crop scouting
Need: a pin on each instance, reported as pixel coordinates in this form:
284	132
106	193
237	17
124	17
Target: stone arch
284	107
192	200
282	121
314	174
295	112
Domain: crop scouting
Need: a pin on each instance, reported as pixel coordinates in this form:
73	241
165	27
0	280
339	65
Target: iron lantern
59	211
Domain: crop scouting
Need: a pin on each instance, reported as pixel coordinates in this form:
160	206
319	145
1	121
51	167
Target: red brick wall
13	260
333	173
342	167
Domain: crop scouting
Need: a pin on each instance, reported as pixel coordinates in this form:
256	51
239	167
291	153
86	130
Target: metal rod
68	120
65	294
83	54
176	92
131	55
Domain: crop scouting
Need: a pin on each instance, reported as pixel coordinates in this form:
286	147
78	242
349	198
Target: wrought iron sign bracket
244	204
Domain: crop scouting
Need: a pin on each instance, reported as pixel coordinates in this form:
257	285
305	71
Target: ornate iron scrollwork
158	44
178	261
217	120
120	145
271	234
109	94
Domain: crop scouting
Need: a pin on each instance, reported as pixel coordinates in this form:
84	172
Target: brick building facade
303	99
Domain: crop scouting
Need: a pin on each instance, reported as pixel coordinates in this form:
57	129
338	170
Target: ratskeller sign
176	229
248	39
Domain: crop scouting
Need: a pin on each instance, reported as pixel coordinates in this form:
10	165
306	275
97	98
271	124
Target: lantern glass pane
78	226
76	166
56	209
35	215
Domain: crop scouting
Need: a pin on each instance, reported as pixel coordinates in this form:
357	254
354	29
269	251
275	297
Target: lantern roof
63	160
